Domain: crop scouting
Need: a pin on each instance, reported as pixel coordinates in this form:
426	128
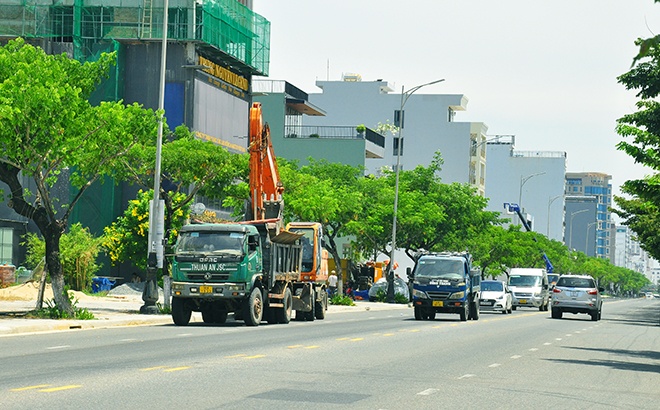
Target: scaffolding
217	25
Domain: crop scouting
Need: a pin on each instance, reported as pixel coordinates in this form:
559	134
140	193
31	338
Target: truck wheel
253	308
513	307
283	314
180	314
465	312
418	313
207	316
322	306
220	316
311	315
430	314
475	310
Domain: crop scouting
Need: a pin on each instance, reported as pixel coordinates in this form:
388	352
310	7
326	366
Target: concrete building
580	232
214	49
285	108
597	185
532	179
428	126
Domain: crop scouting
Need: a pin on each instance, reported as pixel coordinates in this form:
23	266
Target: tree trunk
52	238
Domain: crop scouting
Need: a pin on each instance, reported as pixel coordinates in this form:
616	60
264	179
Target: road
359	360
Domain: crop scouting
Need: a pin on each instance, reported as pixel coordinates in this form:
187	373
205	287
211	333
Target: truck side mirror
252	243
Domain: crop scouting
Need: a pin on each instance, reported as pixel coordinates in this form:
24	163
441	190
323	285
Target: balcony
374	142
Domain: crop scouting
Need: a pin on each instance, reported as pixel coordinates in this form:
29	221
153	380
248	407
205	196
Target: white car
495	297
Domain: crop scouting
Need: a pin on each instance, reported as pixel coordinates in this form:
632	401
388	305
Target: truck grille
214	276
523	295
438	295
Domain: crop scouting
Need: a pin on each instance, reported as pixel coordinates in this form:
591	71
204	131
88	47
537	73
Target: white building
428	126
532	179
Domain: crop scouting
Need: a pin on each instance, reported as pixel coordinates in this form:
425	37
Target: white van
529	287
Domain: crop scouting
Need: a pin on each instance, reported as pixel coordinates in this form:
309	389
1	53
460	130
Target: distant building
580	223
428	126
597	185
532	179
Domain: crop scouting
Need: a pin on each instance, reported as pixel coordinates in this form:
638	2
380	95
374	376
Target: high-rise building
597	185
532	179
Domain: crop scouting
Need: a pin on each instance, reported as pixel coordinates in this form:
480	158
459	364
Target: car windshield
492	286
528	281
216	243
440	268
576	283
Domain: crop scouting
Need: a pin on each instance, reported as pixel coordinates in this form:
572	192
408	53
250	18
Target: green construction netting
224	24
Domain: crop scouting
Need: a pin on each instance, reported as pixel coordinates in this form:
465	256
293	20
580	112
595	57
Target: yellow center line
293	347
238	355
356	339
176	368
152	368
311	347
59	388
255	356
438	327
375	334
388	334
343	338
415	330
31	387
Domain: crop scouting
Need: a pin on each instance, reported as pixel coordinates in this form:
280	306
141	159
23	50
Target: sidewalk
110	312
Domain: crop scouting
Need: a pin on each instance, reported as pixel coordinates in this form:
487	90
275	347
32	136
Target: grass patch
52	312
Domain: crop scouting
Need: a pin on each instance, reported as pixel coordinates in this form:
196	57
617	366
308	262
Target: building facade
532	179
429	126
597	185
215	47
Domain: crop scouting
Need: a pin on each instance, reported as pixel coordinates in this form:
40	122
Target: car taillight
555	290
593	292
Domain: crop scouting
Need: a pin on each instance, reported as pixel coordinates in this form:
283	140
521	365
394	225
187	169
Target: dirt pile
30	291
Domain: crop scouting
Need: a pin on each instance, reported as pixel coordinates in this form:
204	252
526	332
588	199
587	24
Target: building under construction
214	49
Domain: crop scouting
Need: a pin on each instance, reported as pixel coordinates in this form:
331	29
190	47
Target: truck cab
445	283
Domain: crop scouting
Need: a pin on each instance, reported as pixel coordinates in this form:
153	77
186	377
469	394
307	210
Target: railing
334	132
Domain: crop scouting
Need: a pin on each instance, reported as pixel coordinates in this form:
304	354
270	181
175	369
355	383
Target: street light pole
150	292
522	183
570	225
550	201
390	270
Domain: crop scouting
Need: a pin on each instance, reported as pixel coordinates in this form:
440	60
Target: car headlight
420	294
500	297
457	295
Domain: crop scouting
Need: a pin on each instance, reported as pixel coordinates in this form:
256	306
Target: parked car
577	294
495	297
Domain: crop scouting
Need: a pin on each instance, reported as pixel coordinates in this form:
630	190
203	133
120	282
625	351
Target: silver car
576	294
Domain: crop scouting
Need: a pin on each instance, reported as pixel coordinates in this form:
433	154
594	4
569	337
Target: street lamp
586	241
522	183
570	226
405	95
550	201
150	292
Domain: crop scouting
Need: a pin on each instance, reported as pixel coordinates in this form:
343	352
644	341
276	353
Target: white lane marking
127	340
495	365
559	338
569	335
58	347
547	344
465	376
584	329
427	392
184	334
516	356
577	331
533	349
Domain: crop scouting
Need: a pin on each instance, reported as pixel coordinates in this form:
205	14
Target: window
395	144
6	244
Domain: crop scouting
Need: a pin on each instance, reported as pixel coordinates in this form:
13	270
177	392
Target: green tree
323	192
47	126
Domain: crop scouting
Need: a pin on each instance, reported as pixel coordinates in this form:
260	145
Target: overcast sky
544	71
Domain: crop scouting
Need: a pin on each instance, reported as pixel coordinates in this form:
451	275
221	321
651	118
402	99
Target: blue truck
444	282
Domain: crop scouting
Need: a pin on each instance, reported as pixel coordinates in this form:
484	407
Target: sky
544	71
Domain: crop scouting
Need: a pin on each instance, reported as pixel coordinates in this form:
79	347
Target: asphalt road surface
357	360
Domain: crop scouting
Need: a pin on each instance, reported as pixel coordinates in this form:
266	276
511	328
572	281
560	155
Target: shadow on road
645	316
614	364
642	354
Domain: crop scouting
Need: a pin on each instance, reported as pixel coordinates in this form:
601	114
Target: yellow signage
218	141
224	74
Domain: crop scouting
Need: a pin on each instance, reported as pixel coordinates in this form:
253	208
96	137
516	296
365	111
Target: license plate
437	303
522	300
206	289
484	303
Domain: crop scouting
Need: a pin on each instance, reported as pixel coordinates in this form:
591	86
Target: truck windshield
517	280
307	247
440	268
216	243
492	286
